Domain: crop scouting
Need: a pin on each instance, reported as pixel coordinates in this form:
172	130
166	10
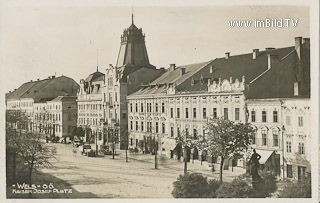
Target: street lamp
283	130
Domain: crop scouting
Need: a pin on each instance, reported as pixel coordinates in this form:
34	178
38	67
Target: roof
45	90
263	83
175	76
158	86
96	76
64	99
236	67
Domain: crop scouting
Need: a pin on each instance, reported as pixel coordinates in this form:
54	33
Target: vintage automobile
85	149
104	149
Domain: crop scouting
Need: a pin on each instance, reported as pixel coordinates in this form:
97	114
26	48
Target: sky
41	40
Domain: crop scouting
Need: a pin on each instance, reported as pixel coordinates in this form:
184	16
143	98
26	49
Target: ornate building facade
108	113
254	87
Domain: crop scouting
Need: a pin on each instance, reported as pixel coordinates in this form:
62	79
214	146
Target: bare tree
34	151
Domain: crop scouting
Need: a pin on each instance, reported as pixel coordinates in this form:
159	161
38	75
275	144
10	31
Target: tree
125	140
299	189
78	131
187	142
34	151
192	185
236	189
113	138
225	138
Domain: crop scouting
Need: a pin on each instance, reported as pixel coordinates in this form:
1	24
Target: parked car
85	149
104	149
54	139
91	153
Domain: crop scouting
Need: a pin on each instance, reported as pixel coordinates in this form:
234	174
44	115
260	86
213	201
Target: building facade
32	96
251	88
102	97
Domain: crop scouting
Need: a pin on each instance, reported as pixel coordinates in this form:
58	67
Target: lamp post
283	130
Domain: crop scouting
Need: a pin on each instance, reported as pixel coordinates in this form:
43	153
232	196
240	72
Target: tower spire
132	17
97	60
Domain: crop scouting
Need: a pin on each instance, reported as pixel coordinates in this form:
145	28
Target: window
195	133
124	115
178	112
275	138
171	112
225	113
157	127
172	132
288	145
288	120
301	148
116	96
142	126
130	107
131	125
137	126
141	107
157	108
187	113
148	126
275	116
253	116
237	114
163	128
178	132
136	107
215	113
194	113
264	137
264	116
162	108
204	113
289	171
300	121
187	132
131	141
254	138
137	142
110	81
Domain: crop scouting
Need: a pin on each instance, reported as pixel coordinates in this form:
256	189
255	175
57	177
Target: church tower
133	50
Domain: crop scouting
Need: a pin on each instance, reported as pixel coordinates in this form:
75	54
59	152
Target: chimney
9	91
38	79
183	71
269	48
296	88
227	55
298	42
306	42
255	53
172	67
53	77
272	59
30	80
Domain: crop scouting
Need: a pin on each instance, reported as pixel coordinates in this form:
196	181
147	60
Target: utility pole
156	154
96	143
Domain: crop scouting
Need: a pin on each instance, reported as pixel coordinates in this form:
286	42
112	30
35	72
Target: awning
265	154
168	144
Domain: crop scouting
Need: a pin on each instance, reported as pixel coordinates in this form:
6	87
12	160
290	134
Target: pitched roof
45	90
96	76
276	82
64	99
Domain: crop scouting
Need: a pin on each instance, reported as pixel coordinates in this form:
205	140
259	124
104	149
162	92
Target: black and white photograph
137	100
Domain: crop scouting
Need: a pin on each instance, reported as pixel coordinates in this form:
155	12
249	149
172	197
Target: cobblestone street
108	178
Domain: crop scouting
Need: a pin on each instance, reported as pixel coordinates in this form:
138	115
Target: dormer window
211	69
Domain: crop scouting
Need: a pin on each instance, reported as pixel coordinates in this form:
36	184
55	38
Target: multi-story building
252	87
90	103
62	112
102	97
33	93
279	106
